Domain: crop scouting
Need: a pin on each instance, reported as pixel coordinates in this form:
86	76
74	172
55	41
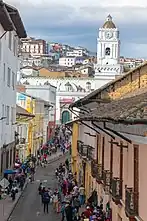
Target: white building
108	52
77	52
47	93
68	90
71	89
11	30
68	61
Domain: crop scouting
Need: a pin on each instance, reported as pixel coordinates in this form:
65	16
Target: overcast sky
76	22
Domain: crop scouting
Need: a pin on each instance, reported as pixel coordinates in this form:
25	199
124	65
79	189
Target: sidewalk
7	205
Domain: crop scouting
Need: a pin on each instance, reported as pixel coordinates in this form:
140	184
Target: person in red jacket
87	213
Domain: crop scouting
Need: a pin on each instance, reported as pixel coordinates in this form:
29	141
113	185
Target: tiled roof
132	108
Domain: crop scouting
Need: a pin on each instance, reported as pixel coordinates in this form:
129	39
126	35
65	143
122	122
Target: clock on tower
108	43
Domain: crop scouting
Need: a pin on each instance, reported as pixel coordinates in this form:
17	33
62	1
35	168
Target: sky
76	22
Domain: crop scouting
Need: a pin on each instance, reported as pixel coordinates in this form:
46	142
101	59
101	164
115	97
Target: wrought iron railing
79	146
131	202
94	168
107	181
116	187
99	176
89	153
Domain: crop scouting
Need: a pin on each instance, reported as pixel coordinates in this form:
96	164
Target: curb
26	184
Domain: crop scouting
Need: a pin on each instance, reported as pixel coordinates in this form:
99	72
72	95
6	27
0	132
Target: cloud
77	21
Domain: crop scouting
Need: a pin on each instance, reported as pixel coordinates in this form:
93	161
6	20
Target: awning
22	113
10	171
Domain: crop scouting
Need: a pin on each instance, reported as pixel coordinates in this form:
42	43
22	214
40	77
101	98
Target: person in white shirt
75	191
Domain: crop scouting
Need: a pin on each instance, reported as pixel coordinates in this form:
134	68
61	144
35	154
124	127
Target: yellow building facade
23	119
38	123
81	166
34	106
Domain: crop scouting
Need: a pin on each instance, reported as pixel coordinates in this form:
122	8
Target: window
10	40
68	87
7	115
107	51
13	80
4	74
14	45
9	77
88	86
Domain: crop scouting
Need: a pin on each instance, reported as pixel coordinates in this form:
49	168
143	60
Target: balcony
94	168
116	187
82	149
131	203
79	146
107	181
99	176
89	152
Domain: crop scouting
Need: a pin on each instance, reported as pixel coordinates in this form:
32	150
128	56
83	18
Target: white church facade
70	89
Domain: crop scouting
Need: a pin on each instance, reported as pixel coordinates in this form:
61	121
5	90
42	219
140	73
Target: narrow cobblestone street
29	207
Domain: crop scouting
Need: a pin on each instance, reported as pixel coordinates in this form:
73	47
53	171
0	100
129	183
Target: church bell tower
108	43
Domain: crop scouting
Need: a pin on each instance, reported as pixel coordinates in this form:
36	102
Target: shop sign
67	100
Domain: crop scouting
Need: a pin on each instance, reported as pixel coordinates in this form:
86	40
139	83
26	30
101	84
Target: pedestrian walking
63	211
46	200
68	212
76	203
82	194
55	201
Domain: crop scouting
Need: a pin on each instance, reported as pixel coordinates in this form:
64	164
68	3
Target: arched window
107	51
88	86
68	86
65	116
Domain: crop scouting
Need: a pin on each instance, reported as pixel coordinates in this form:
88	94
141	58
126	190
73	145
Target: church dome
109	23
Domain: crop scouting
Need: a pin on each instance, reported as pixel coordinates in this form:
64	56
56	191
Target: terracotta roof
22	112
123	110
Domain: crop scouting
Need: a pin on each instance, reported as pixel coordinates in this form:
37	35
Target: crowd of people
16	178
70	197
74	198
